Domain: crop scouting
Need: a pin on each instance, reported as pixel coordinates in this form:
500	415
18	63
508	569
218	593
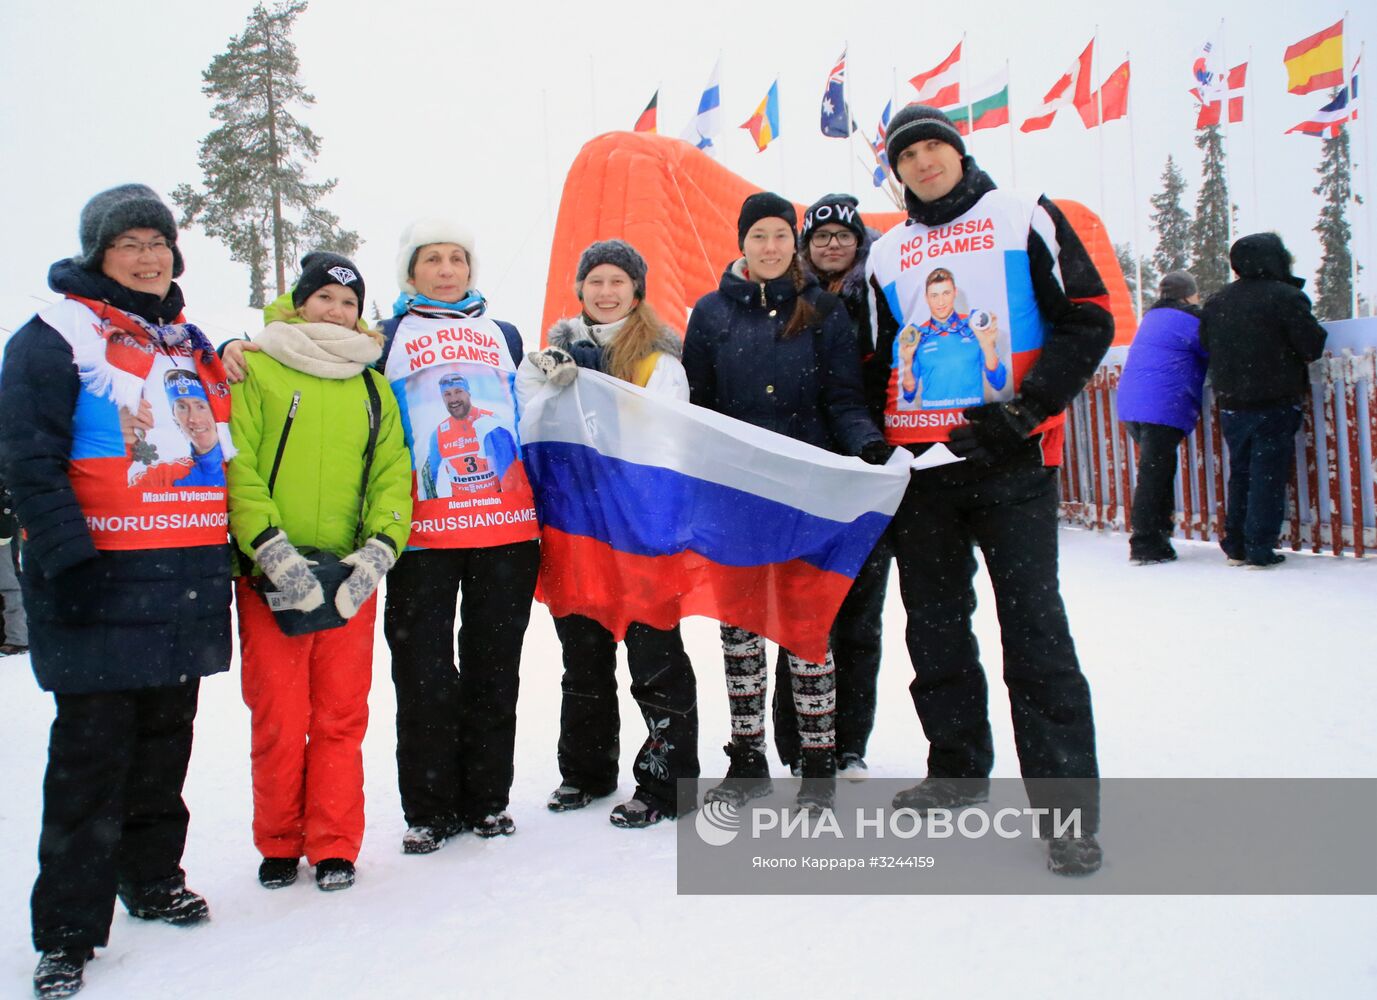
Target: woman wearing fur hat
474	533
322	465
833	244
618	334
126	587
772	348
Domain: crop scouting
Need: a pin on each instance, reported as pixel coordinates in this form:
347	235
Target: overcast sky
422	111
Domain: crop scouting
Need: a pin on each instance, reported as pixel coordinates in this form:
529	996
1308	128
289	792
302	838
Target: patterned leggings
814	684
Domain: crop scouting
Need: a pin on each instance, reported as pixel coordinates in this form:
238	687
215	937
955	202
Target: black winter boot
60	972
165	899
748	776
818	789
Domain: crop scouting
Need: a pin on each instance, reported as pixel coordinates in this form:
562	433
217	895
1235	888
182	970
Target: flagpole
545	127
1099	114
1013	170
593	93
1133	188
966	91
1367	182
783	186
1224	122
1252	131
846	110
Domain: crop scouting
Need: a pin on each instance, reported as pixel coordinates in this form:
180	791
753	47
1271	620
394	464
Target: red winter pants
308	698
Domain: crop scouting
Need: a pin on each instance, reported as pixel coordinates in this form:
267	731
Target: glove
876	453
370	565
994	431
556	365
290	573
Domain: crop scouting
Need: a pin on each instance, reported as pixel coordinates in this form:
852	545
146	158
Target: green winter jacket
316	496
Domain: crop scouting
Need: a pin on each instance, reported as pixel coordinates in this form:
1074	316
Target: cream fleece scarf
321	349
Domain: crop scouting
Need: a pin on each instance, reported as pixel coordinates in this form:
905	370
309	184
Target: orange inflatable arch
678	207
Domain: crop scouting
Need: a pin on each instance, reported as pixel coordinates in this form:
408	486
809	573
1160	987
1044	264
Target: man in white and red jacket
1021	272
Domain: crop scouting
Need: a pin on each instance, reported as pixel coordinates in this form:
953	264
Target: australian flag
836	119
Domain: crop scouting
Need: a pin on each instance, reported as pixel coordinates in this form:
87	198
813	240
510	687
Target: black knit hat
618	253
129	206
322	268
838	208
764	205
917	122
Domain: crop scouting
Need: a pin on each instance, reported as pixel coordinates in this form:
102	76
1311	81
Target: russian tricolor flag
653	510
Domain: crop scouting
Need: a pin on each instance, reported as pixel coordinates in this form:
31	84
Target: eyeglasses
844	238
130	247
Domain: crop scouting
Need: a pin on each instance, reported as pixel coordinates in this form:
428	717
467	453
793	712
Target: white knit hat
423	232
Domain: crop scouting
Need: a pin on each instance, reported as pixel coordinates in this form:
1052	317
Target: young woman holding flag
618	334
772	348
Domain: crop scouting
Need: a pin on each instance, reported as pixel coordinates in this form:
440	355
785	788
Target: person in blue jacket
1159	403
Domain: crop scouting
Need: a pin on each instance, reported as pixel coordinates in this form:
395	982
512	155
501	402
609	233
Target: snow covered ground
1197	670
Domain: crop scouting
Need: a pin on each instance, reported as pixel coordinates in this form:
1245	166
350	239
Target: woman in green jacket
322	466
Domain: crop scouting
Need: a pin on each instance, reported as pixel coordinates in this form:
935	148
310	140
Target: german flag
1317	62
646	123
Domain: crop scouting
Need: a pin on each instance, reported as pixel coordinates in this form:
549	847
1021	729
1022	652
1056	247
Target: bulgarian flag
988	111
1317	62
764	124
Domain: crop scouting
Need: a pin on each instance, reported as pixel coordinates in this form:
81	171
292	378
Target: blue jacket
807	387
148	618
1165	371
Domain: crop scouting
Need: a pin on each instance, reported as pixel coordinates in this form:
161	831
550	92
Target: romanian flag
1317	62
730	521
989	111
646	123
764	124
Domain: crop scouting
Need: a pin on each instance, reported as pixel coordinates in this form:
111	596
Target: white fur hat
423	232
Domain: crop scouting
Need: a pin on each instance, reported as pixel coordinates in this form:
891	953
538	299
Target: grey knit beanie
129	206
1177	285
620	254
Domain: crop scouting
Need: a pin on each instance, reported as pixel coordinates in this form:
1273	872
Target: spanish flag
764	124
1317	62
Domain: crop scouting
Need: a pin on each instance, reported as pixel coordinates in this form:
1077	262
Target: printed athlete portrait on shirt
952	358
467	454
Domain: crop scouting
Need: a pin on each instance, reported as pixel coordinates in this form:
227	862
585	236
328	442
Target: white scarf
321	349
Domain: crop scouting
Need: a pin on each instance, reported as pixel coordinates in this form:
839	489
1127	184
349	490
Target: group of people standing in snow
337	455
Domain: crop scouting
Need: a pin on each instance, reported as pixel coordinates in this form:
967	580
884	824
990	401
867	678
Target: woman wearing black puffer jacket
773	349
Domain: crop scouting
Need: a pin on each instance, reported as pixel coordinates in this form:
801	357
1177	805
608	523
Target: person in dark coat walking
1159	403
1261	337
773	349
1024	272
127	585
833	246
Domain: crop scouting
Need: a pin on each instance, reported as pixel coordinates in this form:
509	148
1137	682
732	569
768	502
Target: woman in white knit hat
474	537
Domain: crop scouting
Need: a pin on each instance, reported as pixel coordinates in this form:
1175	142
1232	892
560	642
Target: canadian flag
1210	101
1072	90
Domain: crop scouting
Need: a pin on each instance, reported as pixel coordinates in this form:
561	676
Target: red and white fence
1333	492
